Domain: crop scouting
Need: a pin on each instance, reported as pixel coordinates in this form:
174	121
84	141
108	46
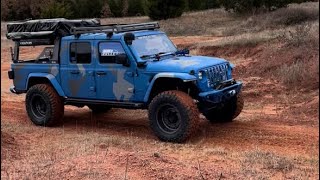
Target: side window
80	53
108	51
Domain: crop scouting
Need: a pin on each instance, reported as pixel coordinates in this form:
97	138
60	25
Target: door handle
101	73
130	74
75	72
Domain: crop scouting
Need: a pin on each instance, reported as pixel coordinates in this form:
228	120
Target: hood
183	64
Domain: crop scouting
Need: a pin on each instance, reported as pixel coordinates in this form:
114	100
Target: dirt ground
275	137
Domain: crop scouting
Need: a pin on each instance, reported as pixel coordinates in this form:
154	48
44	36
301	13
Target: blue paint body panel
24	71
182	76
98	80
51	78
183	63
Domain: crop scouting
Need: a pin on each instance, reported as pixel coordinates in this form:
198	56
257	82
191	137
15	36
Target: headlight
230	71
231	65
200	75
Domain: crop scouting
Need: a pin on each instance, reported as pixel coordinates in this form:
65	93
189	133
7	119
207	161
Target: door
77	73
114	81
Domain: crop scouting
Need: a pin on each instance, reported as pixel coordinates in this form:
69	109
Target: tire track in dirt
244	136
239	135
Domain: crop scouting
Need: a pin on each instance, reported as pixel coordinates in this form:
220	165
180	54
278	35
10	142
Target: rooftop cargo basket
46	28
55	28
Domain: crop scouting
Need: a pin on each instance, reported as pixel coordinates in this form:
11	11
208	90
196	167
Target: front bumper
225	92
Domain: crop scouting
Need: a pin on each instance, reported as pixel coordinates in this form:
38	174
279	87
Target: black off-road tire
44	106
173	108
228	112
97	109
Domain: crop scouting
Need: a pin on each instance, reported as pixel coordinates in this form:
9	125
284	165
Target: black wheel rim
168	118
38	106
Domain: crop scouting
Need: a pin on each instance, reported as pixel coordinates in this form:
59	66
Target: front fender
185	77
52	80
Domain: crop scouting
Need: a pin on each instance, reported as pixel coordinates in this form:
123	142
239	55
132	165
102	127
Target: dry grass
268	160
292	75
258	164
192	23
283	49
305	35
247	39
293	15
91	151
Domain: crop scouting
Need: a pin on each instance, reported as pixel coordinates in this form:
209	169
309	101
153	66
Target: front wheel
173	116
44	106
228	112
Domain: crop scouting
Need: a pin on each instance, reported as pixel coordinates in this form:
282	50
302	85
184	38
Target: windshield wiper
166	53
160	53
157	56
146	56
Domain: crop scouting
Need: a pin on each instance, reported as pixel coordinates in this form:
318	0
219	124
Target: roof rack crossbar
115	28
99	29
136	27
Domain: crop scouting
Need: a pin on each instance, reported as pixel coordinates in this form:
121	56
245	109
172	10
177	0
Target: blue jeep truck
133	66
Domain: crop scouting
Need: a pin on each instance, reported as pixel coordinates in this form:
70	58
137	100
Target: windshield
153	44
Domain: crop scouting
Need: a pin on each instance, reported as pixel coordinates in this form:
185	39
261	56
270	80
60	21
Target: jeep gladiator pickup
133	66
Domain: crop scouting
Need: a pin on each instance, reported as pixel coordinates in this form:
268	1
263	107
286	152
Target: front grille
216	74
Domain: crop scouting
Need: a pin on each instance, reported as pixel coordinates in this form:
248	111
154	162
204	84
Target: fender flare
185	77
52	79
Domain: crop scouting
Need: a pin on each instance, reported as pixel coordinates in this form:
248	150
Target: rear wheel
228	112
99	108
44	106
173	116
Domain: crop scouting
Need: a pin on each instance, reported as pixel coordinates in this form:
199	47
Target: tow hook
13	90
231	93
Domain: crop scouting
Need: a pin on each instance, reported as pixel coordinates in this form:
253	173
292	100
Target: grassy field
276	136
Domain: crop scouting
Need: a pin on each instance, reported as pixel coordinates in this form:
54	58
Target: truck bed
22	70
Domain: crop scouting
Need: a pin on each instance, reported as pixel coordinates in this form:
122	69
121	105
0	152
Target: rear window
80	53
27	53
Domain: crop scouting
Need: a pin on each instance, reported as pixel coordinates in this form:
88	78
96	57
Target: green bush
15	9
137	7
165	9
56	10
196	5
209	4
119	8
86	8
106	11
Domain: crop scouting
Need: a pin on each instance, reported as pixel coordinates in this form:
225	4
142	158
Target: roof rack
99	29
115	28
56	28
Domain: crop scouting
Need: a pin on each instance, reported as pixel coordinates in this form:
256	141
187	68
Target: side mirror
128	38
122	59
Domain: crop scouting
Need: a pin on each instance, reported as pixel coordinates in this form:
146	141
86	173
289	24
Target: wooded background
155	9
